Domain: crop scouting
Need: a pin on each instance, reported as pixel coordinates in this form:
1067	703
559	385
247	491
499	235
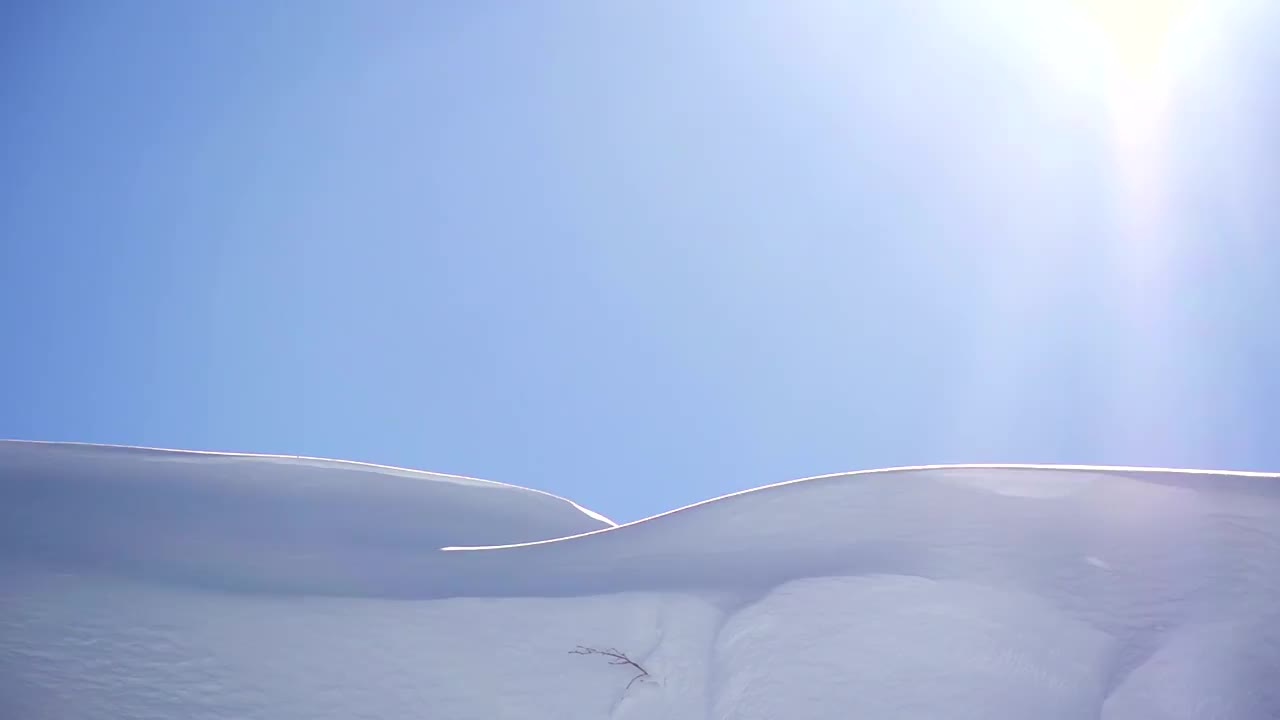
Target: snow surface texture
160	584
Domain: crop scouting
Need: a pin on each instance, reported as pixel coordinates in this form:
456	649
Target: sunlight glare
1112	47
1133	36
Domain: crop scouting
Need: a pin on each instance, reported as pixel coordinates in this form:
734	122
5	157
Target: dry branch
616	657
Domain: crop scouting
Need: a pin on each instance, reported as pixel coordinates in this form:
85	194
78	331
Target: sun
1134	38
1112	47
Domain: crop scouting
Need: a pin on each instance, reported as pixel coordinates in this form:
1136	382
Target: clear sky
645	253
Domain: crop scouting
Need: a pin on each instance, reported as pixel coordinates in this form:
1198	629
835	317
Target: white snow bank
255	522
894	646
959	592
75	646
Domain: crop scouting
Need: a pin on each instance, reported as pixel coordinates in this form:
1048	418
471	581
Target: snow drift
144	583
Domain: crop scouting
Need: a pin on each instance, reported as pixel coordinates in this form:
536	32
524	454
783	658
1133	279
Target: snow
157	584
256	522
952	649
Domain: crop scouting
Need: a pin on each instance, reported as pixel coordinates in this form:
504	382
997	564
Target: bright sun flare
1112	46
1134	37
1128	54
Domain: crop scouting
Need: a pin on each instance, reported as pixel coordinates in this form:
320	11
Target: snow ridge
145	583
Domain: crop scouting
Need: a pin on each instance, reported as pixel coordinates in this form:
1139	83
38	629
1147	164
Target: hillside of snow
162	584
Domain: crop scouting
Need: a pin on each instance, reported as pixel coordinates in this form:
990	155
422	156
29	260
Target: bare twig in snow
616	657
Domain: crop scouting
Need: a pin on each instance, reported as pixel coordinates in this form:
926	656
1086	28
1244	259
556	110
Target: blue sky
642	254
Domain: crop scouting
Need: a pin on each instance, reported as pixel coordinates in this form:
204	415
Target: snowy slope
255	522
157	584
